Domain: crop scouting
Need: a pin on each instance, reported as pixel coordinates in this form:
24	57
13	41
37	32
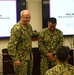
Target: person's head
52	23
62	53
25	16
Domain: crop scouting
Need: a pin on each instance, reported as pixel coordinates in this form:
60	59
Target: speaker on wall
45	12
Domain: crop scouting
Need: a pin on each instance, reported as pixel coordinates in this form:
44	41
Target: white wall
35	7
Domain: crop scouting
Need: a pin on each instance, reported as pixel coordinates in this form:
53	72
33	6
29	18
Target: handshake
51	56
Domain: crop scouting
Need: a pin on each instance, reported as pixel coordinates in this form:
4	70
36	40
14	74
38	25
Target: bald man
20	45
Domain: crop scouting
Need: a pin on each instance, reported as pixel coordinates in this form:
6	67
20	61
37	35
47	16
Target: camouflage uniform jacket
48	42
61	69
20	44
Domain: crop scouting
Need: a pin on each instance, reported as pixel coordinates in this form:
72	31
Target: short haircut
62	53
52	20
21	13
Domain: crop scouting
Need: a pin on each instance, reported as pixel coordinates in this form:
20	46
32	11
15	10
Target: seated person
62	67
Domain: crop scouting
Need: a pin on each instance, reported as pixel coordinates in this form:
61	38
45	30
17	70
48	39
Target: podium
7	63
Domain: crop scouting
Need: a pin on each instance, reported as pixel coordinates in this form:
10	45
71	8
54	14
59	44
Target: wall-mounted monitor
63	11
9	15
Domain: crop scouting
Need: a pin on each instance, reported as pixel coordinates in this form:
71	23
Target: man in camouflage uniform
20	45
62	67
49	39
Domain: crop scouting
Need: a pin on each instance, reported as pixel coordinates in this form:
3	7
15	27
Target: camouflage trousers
45	64
25	68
